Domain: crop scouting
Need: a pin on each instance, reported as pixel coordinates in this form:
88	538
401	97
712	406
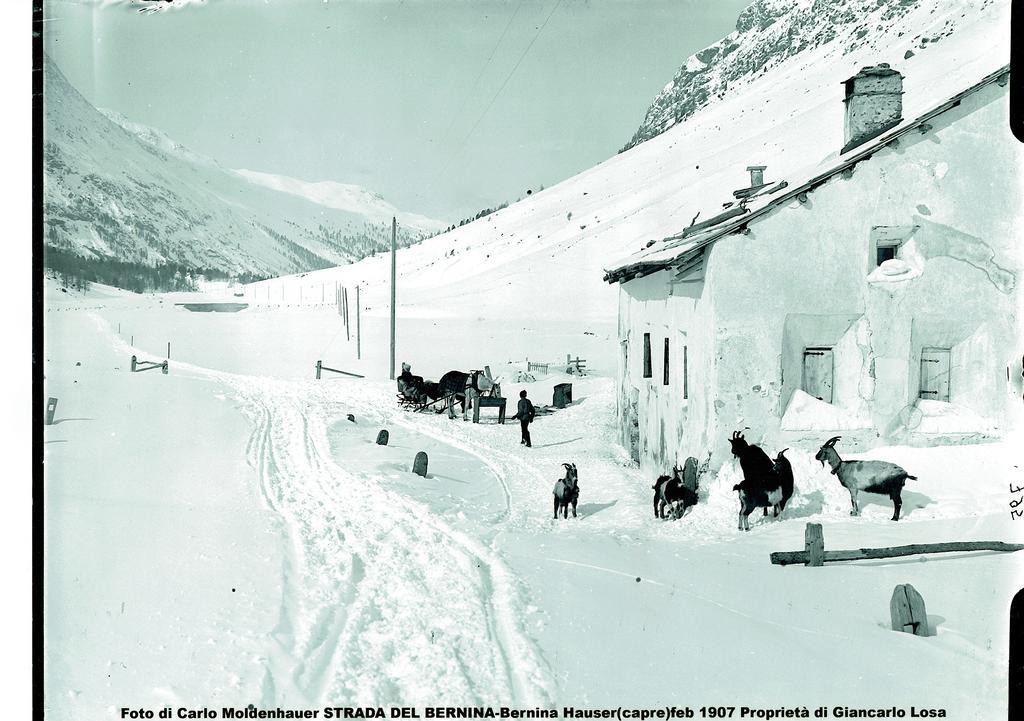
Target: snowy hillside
546	254
772	33
341	196
120	191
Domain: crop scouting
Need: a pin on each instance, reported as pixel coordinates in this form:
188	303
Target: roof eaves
863	153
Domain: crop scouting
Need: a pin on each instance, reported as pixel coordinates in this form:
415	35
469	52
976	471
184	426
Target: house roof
929	91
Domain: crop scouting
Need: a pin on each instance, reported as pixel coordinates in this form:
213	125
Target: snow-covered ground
224	535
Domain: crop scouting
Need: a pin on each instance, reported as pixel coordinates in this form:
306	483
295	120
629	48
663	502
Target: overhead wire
494	97
483	69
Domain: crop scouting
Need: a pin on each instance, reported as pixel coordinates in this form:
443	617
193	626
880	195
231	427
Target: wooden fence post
164	367
814	544
134	363
318	365
906	607
419	465
51	410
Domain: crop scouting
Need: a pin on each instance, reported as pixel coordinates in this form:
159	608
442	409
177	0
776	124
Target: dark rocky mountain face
768	34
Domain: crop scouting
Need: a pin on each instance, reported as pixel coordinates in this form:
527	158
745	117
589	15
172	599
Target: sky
444	107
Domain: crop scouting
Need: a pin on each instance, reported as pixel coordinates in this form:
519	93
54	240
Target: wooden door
935	374
818	373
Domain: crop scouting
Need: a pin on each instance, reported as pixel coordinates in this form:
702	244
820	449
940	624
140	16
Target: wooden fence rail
814	553
143	365
321	367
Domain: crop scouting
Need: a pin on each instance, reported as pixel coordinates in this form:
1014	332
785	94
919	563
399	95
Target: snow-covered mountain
770	32
124	193
550	251
342	196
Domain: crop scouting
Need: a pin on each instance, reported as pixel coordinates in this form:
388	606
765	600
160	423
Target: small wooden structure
144	365
321	367
814	553
540	367
51	410
419	464
575	365
906	609
483	401
562	395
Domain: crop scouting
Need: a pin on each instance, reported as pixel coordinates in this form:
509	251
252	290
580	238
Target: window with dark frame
665	380
885	243
648	371
686	376
885	251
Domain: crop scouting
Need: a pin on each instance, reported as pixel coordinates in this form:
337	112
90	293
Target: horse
461	387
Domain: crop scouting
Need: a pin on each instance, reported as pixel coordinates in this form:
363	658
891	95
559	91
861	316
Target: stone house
873	294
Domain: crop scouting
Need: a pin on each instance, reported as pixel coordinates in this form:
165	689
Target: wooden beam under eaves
690	268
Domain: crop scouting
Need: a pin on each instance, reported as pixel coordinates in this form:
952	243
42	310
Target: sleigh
475	388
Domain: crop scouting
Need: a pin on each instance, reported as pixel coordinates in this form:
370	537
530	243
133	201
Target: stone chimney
874	103
756	182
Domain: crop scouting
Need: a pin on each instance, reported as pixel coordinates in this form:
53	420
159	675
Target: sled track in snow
382	601
497	460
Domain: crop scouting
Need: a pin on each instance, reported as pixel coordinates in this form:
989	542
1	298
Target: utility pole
344	296
394	231
359	353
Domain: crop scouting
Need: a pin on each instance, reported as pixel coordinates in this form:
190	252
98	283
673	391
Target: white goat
869	476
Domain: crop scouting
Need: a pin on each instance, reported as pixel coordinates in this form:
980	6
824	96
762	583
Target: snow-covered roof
803	150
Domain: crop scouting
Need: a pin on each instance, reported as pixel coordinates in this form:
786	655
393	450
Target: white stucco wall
799	277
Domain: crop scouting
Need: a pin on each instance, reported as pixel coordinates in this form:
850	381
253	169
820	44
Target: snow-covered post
814	544
419	465
906	607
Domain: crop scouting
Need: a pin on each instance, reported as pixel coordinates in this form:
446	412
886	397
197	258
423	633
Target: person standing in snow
525	415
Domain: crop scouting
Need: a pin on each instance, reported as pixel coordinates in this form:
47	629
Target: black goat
754	462
870	476
672	492
783	470
765	483
567	491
